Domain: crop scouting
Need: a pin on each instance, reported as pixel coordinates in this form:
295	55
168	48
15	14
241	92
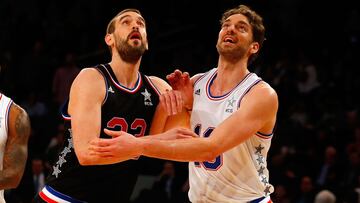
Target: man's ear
109	39
254	47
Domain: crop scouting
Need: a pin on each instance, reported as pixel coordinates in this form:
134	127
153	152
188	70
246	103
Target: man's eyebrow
125	16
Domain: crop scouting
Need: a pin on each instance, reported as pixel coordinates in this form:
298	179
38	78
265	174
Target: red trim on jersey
263	136
46	198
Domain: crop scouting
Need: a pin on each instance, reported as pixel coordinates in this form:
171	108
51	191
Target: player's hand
172	101
181	95
177	133
121	147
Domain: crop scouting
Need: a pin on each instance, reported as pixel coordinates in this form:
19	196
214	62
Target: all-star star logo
147	98
230	105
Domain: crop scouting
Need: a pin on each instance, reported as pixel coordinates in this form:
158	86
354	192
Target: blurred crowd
309	57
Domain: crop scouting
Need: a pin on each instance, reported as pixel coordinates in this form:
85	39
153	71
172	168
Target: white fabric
5	104
240	174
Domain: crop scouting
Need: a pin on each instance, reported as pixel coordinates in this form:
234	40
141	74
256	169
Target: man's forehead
130	14
238	17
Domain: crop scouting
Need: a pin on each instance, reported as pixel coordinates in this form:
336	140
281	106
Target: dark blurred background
310	57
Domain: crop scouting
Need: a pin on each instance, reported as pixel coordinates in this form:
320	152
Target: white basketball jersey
5	104
240	174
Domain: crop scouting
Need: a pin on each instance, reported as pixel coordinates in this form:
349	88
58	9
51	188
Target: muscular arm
257	113
161	121
86	96
16	148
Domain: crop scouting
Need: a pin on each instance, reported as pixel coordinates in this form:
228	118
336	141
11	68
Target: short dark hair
255	20
111	26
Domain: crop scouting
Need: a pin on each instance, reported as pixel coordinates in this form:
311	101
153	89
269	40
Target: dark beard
232	55
129	53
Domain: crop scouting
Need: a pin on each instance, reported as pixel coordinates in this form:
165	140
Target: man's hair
256	23
325	196
111	26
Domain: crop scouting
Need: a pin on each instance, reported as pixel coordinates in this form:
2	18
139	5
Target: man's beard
128	53
231	54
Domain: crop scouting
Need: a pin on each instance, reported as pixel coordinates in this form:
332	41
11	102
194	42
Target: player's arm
257	113
86	97
16	148
161	120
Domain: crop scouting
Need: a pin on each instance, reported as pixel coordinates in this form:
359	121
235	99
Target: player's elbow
83	158
11	181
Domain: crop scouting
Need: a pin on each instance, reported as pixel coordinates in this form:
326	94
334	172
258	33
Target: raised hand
182	94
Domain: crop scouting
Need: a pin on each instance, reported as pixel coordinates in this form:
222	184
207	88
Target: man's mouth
229	39
135	35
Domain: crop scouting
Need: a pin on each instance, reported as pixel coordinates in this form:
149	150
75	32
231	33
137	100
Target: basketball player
114	96
14	136
233	113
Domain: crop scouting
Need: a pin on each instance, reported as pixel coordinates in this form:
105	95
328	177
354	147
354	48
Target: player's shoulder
19	116
88	75
159	83
264	91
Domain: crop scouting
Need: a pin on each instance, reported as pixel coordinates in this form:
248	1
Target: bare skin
88	92
257	113
15	155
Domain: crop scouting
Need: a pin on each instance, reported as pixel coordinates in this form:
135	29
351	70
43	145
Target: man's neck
229	75
126	73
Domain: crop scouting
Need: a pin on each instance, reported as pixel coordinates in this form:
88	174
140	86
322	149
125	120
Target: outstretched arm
257	113
15	155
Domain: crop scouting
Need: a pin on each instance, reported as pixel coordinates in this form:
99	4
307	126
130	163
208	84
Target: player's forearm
192	149
9	179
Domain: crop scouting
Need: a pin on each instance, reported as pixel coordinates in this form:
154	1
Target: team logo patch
110	89
147	98
197	92
230	105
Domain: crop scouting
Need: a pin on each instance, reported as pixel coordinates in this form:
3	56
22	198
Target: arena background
310	57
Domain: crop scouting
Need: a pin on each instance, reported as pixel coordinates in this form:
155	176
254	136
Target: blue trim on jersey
7	114
263	134
211	80
248	89
122	87
62	196
257	200
63	110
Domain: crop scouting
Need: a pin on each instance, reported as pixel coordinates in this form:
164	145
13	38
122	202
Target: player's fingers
113	133
179	101
100	142
167	101
99	149
185	132
186	78
173	102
